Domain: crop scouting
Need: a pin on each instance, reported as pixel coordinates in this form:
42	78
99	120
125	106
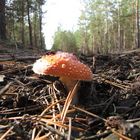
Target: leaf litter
33	107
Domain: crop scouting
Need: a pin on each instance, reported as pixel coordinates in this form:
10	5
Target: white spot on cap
63	65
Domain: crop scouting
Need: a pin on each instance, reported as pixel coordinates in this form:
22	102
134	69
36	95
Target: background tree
111	25
24	23
2	20
64	40
137	25
104	26
29	22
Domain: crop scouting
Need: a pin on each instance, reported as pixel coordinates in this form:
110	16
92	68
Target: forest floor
31	105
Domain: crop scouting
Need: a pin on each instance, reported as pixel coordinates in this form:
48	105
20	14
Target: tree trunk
2	20
29	23
133	25
119	29
86	49
40	25
22	24
137	25
35	29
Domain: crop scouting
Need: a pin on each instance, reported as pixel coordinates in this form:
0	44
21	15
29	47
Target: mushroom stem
69	85
69	100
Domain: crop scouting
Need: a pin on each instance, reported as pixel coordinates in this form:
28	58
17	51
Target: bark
137	25
35	29
2	20
29	23
119	29
22	25
133	24
35	32
40	25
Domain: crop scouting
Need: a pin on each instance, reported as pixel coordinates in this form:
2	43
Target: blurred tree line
21	22
104	26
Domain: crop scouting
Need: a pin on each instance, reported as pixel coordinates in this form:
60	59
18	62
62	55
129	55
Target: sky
64	13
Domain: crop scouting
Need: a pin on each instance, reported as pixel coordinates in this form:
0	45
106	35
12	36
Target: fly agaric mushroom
69	69
64	65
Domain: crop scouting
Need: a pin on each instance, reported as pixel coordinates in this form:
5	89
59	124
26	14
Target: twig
49	122
55	131
108	104
6	133
22	109
44	137
120	135
69	132
96	136
89	113
2	91
51	107
94	115
33	133
116	84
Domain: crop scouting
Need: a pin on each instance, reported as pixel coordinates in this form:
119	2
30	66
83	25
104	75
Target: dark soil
31	105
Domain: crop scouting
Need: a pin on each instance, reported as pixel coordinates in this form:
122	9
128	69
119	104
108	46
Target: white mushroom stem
69	85
71	95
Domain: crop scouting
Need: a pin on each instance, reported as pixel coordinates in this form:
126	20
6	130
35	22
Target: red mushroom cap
62	64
